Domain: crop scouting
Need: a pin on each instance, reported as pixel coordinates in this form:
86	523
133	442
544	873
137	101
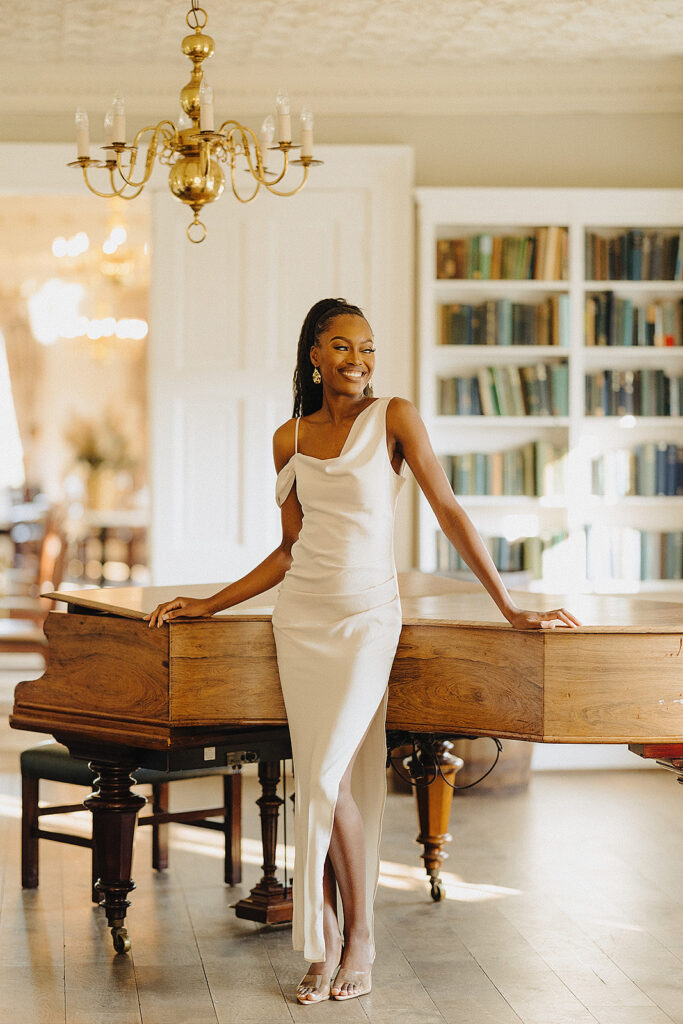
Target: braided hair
308	396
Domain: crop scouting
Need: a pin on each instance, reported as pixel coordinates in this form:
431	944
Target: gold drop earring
316	375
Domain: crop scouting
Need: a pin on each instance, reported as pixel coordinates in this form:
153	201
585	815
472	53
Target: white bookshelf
459	212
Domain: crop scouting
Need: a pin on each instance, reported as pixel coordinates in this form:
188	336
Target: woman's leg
332	937
347	854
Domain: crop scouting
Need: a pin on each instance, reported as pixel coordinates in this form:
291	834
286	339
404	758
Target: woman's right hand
179	607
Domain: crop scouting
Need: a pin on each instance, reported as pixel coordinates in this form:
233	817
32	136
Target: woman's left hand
523	619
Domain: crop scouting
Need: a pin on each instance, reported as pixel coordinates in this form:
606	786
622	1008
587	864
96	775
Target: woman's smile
353	374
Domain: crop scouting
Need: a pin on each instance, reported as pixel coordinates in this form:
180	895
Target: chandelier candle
119	111
82	135
306	132
284	120
197	153
109	129
205	107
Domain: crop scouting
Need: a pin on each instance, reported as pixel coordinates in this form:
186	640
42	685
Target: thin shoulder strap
296	436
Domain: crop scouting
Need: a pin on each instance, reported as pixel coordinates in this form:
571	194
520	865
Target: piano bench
53	762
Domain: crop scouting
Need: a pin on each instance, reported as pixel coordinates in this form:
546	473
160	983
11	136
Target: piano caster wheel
121	941
437	890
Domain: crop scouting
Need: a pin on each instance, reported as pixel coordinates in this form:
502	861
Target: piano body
204	692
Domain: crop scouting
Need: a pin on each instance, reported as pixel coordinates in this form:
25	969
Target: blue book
627	322
660	469
505	322
635	255
671	468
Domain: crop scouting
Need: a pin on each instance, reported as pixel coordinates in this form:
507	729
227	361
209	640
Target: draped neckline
334	458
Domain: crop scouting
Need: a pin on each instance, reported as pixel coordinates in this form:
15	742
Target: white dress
337	622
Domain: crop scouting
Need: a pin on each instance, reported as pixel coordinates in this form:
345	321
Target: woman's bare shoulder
401	413
283	444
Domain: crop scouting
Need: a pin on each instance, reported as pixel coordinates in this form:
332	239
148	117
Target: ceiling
362	57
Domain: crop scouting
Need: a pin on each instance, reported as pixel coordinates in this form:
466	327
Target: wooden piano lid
426	599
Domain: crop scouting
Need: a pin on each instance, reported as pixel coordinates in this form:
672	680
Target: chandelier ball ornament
200	157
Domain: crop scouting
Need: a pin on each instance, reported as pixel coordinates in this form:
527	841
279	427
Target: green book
532	398
515	390
528	469
485	250
487	395
499	391
559	389
473	267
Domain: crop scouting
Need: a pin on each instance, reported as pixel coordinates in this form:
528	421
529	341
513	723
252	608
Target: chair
22	614
52	761
24	602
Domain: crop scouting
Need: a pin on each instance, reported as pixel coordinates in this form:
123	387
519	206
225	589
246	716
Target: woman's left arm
410	439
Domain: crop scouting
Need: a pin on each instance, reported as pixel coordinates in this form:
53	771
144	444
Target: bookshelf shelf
448	358
445	213
634	423
623	286
485	423
445	287
632	356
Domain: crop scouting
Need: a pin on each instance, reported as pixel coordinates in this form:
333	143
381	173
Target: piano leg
268	902
434	796
114	809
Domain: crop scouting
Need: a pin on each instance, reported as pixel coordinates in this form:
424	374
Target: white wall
563	149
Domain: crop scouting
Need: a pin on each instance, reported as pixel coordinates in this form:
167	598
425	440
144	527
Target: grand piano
206	692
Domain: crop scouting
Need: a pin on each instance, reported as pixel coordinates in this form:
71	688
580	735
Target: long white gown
337	622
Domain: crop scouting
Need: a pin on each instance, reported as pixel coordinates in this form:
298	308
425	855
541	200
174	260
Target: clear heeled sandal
361	979
318	983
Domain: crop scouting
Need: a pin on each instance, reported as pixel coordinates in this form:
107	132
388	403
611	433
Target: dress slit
354	755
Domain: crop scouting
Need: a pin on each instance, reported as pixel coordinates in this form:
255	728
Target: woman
337	622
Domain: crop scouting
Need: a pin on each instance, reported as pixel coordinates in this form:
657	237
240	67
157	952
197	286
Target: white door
225	320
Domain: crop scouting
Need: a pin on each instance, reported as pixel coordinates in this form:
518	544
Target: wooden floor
564	907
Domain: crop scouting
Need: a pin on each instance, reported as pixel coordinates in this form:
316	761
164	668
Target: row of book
634	393
508	556
533	469
541	255
538	390
634	255
503	322
646	469
616	321
630	554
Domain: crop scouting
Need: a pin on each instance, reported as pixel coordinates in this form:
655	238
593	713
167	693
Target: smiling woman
337	622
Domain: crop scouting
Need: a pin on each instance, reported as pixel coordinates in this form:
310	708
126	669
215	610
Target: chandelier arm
102	195
242	199
121	192
276	181
152	148
277	192
257	172
133	195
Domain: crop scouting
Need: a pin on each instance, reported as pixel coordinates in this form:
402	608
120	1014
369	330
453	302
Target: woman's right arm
267	574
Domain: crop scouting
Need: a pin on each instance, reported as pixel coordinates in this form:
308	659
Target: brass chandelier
195	151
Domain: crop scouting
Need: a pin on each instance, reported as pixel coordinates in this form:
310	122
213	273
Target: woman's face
345	355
